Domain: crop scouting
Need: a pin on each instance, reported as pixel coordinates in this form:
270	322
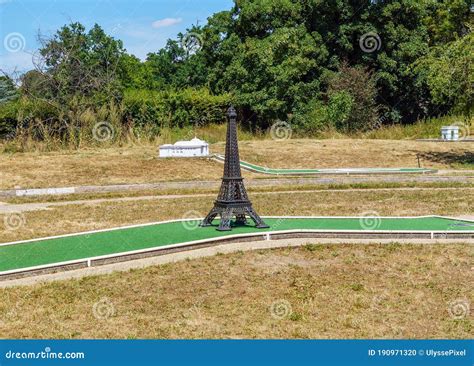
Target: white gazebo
184	149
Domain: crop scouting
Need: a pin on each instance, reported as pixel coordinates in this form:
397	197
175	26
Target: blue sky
142	25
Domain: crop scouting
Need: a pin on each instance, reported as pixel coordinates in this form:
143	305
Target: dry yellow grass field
138	164
316	291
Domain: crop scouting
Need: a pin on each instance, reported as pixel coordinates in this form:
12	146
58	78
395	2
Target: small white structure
184	149
450	133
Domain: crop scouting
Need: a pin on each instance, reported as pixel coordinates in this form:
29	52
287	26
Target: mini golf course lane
87	245
265	170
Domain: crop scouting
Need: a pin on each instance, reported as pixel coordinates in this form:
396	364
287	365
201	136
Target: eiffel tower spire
232	199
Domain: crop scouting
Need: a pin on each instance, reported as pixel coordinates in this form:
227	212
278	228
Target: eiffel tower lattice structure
232	200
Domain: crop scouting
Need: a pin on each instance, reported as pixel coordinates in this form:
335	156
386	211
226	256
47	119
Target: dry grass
450	187
356	153
74	218
330	291
100	167
138	164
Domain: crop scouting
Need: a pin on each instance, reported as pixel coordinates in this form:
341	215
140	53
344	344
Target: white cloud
4	1
166	22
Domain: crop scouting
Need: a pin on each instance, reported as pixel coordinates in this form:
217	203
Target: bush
358	85
8	121
173	108
339	110
349	104
312	117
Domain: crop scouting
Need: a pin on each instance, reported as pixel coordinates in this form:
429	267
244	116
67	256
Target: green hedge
173	108
8	118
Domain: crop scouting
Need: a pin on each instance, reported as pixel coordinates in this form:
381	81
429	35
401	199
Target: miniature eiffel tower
232	199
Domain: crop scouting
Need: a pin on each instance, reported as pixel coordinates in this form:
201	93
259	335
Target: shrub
357	84
173	108
348	106
339	110
8	121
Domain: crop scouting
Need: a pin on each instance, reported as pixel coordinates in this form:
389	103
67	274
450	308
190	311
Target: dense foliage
349	65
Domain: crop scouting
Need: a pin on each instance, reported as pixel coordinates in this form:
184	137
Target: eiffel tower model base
227	211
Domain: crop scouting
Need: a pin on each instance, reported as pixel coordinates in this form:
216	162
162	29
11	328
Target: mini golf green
264	170
86	245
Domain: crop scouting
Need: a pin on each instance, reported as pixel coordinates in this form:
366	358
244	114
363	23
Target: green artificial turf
265	170
47	251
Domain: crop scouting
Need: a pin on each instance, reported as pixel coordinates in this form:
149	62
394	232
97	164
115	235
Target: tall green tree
84	64
448	71
8	91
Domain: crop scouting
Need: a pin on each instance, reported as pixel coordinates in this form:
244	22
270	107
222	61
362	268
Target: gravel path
6	208
263	182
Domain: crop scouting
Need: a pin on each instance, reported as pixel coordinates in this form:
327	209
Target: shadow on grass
464	159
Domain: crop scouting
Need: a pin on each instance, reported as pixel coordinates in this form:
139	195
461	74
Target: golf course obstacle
232	199
334	171
96	248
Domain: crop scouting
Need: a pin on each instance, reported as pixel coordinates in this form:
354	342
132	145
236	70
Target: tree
357	85
8	91
180	63
83	64
448	72
446	20
275	55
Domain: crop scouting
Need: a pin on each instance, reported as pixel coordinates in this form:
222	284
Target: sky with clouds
142	25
